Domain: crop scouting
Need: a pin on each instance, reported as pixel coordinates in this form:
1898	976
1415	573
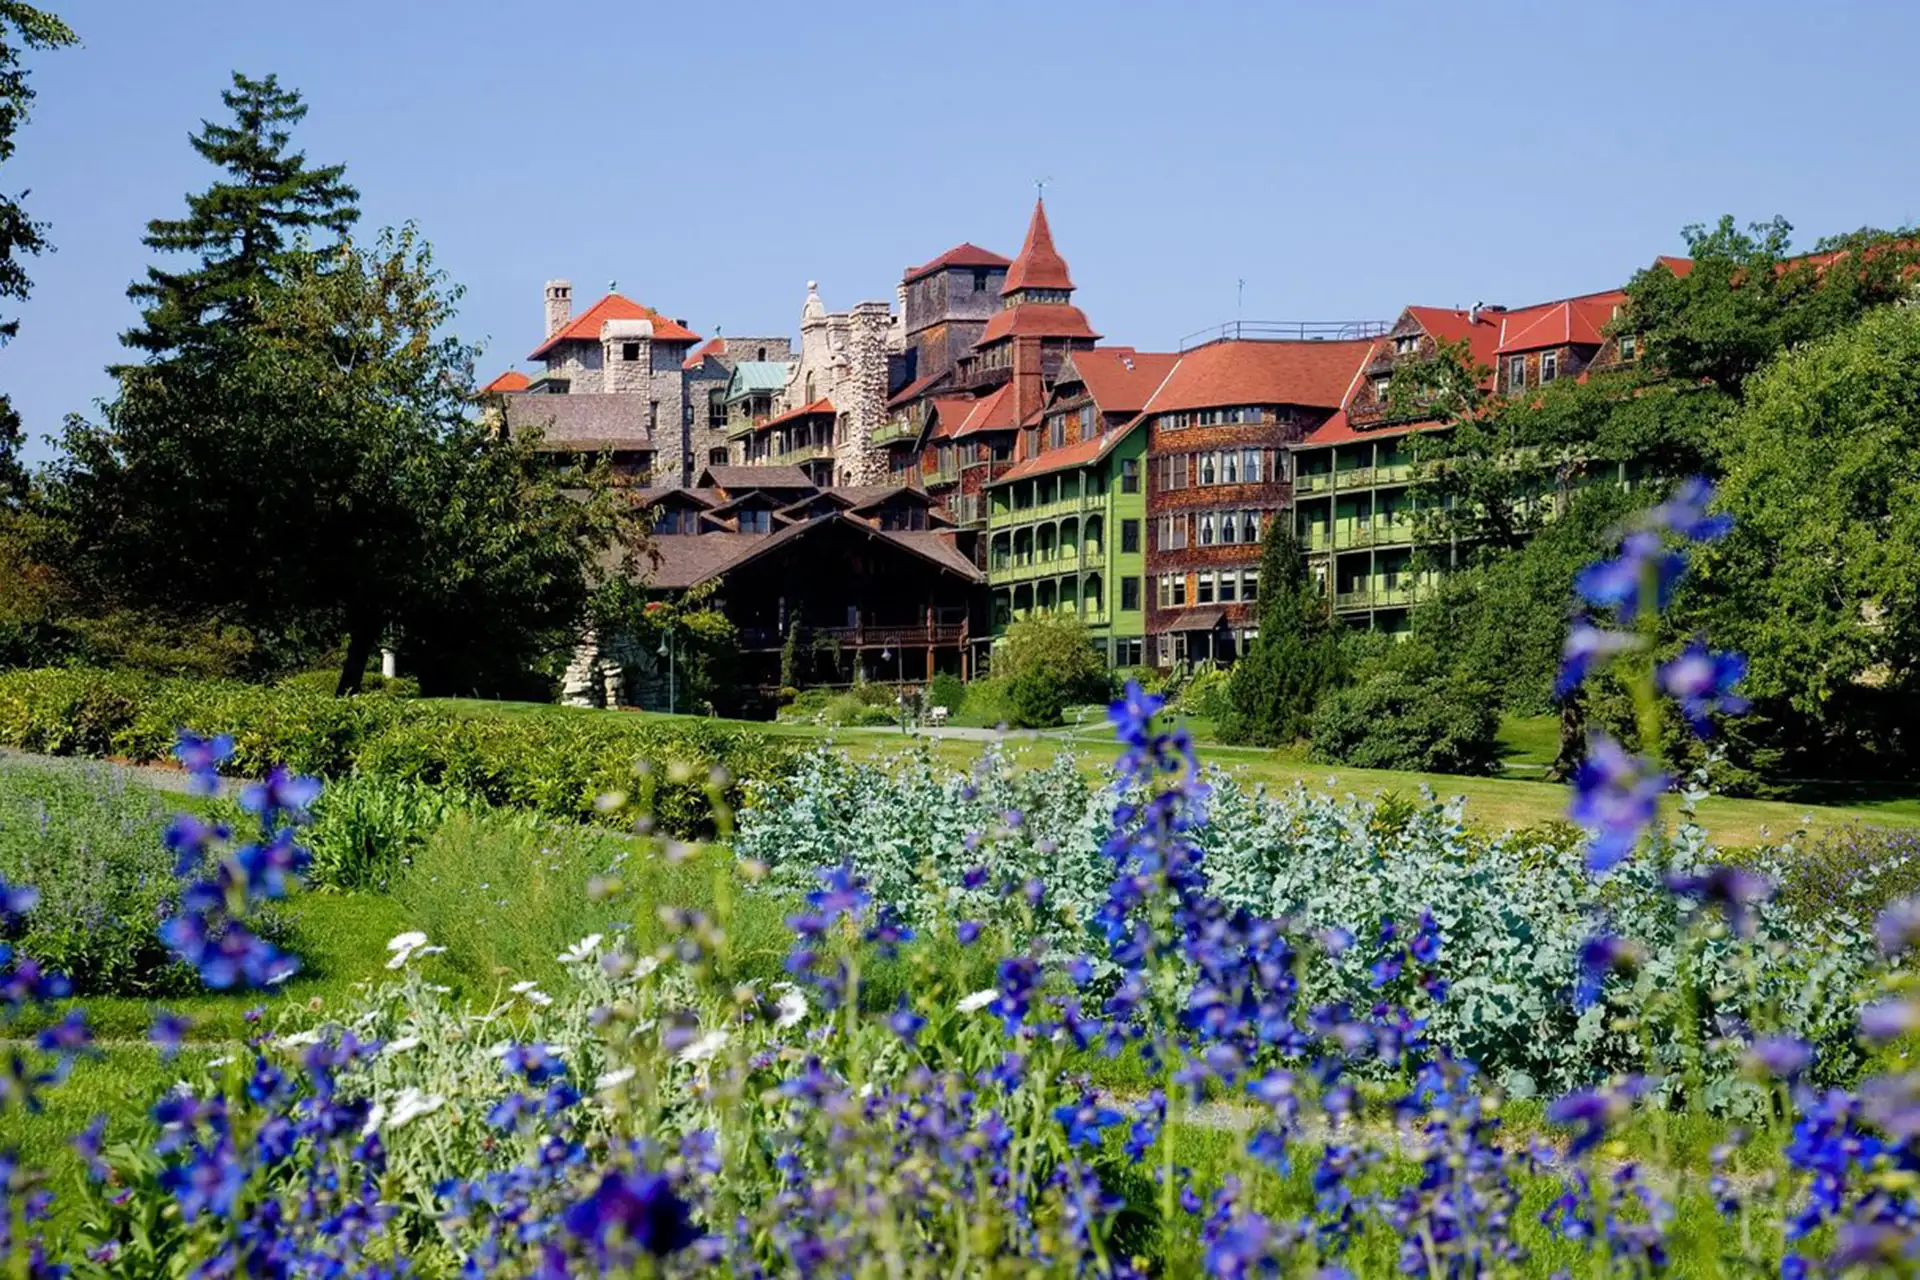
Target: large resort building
910	479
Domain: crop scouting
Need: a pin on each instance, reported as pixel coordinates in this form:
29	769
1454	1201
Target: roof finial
1040	187
613	286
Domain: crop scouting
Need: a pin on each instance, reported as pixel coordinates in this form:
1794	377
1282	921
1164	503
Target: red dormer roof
1120	379
614	307
1038	264
1452	325
511	380
964	254
990	413
949	415
1036	320
1571	321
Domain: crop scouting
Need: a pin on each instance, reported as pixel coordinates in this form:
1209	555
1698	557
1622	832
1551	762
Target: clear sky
1344	159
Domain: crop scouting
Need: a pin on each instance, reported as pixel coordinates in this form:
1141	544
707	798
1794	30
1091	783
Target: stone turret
626	355
559	312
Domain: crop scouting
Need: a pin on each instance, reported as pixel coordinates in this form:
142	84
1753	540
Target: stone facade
843	358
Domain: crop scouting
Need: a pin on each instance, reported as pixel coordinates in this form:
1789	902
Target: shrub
1296	659
988	704
1205	696
556	764
947	690
91	843
1404	713
1050	664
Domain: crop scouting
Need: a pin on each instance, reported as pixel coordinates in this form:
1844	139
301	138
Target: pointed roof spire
1039	265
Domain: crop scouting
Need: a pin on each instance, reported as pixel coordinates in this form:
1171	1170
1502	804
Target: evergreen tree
1295	659
22	27
245	229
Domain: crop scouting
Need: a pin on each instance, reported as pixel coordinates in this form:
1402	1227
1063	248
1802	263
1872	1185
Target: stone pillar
869	328
578	688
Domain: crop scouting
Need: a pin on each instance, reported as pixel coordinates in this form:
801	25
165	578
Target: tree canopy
1294	660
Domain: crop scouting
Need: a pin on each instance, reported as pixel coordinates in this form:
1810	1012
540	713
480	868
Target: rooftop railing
1286	330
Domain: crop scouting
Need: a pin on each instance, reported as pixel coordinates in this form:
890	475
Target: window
1130	476
1057	431
1229	585
1629	346
1206	529
1173	532
1177	470
1203	589
716	410
1249	526
1517	373
1129	593
1230	467
653	415
1209	467
1126	653
1250	585
1229	527
1406	344
1179	646
1179	590
1380	387
760	353
1129	537
1250	466
629	351
1163	645
1549	366
716	457
979	281
755	521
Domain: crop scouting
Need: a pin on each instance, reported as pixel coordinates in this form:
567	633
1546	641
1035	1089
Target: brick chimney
1029	383
559	305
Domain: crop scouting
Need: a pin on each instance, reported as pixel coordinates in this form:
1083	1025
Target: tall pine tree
243	229
22	27
1295	659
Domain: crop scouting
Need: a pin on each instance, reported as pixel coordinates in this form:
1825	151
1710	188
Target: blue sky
1342	159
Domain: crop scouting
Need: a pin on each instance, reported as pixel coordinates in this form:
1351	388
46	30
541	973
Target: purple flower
1615	797
904	1022
16	900
1782	1056
1734	891
841	892
280	795
533	1062
1590	1112
1385	969
202	758
1898	928
1642	576
1701	682
68	1036
1890	1019
190	839
1587	646
1601	955
1425	946
1083	1120
629	1214
973	877
967	932
1685	513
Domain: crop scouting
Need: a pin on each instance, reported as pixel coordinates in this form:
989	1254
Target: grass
1493	803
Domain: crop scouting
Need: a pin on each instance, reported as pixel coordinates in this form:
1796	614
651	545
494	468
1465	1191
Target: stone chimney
626	355
869	329
559	305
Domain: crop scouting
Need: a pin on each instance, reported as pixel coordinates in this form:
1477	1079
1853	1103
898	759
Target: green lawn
1527	746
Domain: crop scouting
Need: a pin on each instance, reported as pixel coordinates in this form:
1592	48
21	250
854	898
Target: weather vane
1040	187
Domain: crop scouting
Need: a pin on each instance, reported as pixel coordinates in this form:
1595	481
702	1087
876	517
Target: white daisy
792	1008
703	1048
979	1000
581	951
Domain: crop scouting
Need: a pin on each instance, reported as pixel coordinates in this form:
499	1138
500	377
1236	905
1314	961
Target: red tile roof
1337	430
950	413
1581	320
511	380
1679	266
1239	372
715	346
964	254
586	328
1037	320
822	405
1079	454
1038	265
1120	379
989	413
1452	325
914	389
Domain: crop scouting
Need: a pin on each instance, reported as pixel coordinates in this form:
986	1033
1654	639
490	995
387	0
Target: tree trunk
362	639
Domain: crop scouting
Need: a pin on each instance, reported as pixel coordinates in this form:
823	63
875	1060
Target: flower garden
891	1018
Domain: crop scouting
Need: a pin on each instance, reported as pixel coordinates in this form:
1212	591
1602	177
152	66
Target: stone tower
559	312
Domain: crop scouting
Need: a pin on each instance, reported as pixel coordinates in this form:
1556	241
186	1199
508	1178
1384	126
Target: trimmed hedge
557	765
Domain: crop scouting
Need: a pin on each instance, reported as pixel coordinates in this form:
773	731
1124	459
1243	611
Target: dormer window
1549	366
1380	387
1629	346
1406	344
755	521
630	351
1517	373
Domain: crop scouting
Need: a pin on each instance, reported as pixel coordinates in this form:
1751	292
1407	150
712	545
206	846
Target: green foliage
988	704
1050	664
1207	696
685	631
1819	583
1514	908
1406	711
947	690
557	766
367	829
867	704
1295	661
91	843
245	231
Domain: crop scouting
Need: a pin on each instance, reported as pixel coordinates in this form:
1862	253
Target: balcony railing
804	453
894	432
1024	568
1395	595
1355	478
1046	510
1317	482
862	637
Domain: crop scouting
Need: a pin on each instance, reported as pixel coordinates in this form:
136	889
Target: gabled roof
1241	371
511	380
586	328
1081	454
1120	379
1037	319
678	496
949	414
751	377
1453	325
714	346
686	560
918	387
743	478
989	413
1570	321
756	499
964	254
822	405
1038	265
1337	430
